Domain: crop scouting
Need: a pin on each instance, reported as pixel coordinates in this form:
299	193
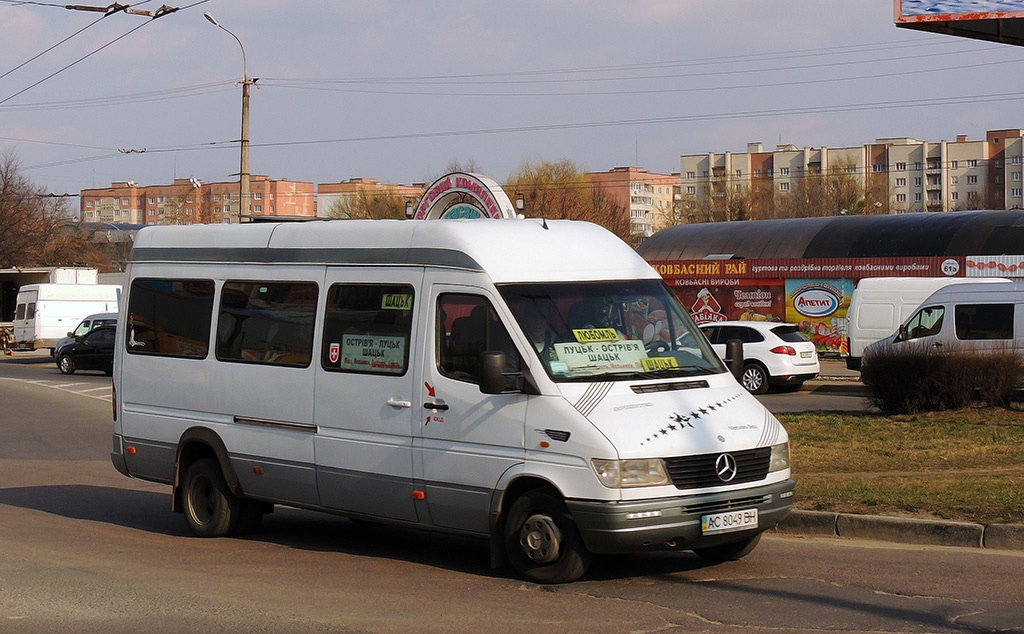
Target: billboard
992	20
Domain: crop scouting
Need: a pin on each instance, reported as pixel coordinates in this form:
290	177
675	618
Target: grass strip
964	465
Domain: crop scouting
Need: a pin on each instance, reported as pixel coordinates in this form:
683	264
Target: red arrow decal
430	390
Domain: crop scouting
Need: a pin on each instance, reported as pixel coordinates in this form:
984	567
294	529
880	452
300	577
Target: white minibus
533	383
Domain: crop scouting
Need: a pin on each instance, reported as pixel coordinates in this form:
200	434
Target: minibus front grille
697	472
728	505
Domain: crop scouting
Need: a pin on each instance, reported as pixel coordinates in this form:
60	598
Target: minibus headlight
780	457
616	474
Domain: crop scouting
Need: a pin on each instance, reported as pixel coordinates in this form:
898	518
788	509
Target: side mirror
903	335
70	334
492	372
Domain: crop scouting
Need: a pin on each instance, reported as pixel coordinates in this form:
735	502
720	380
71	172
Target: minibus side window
169	318
466	326
269	323
983	321
367	328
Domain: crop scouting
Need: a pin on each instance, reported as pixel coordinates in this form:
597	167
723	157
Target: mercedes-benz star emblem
725	467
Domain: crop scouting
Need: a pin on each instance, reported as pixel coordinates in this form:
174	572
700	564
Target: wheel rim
65	364
202	500
752	379
540	539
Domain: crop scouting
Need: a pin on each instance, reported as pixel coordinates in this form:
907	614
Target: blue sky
398	90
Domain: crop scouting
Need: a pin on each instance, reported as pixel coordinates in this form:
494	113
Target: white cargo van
880	304
985	316
45	313
532	383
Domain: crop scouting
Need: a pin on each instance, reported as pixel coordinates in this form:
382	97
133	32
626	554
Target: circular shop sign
815	302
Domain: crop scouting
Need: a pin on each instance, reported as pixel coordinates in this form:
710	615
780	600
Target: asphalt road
84	549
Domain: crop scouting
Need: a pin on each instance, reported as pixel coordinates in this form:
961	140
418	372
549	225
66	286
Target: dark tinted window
20	313
31	312
790	333
100	336
984	321
367	328
169	317
269	323
746	335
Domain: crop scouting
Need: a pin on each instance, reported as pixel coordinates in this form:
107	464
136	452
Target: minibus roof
507	250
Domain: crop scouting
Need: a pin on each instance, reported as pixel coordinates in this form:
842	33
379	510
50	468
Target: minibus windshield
632	329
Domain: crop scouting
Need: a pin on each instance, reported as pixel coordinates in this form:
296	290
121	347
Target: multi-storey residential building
894	175
648	196
190	201
331	197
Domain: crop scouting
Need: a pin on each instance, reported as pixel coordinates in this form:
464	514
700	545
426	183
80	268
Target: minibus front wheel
542	541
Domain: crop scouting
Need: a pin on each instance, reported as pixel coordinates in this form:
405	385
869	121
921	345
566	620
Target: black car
92	351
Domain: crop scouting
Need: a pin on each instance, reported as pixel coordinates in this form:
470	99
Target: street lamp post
243	170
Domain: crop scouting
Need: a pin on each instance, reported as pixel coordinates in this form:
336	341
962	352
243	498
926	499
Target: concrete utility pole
243	170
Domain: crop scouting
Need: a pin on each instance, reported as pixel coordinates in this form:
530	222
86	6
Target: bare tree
375	202
27	217
562	191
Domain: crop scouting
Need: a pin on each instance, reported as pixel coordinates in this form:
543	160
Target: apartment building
190	201
648	196
902	174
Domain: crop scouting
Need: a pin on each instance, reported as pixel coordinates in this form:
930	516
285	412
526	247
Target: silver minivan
984	316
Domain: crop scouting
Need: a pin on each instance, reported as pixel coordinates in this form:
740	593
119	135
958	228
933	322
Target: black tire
729	552
66	364
542	541
754	378
211	509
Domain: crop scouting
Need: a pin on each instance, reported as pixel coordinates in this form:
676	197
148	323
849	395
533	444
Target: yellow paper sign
396	302
596	334
659	363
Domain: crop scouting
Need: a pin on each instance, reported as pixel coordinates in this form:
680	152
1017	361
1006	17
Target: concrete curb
902	530
837	387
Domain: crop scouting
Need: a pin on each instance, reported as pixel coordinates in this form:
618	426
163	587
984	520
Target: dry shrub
908	380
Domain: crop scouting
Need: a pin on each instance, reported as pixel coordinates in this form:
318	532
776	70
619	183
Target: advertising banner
819	307
949	10
734	300
991	20
718	272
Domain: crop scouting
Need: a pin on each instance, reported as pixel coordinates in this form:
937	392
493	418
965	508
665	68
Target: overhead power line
109	10
694	118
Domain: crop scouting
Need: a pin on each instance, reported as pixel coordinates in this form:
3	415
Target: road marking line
95	389
57	387
62	385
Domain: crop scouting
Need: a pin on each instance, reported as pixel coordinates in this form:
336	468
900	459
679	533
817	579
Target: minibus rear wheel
211	510
542	541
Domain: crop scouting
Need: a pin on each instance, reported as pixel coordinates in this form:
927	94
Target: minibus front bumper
676	523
